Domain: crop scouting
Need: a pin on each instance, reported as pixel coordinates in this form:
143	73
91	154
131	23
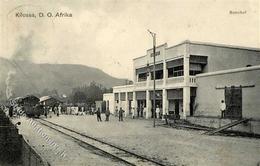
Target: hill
23	77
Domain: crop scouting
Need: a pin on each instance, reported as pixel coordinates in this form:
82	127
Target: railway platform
168	146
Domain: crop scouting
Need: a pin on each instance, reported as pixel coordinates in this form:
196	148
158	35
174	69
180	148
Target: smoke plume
10	84
24	49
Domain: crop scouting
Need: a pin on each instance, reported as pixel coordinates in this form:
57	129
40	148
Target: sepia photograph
129	82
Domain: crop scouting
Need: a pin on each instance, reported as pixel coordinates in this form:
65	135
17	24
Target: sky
109	34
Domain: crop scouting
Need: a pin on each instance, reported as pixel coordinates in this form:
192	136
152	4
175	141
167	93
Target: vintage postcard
129	82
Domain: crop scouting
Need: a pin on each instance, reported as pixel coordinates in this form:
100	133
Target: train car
31	106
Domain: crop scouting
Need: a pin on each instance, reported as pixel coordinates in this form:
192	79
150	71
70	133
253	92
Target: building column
119	101
115	104
164	103
112	104
127	104
148	105
164	93
186	88
134	104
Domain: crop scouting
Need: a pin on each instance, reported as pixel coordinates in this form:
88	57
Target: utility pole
154	50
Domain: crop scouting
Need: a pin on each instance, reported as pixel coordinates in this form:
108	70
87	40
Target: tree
88	94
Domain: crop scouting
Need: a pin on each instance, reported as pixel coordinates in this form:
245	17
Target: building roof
44	98
207	44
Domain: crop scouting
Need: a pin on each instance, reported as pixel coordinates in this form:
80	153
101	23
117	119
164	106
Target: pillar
186	102
126	104
164	92
164	102
148	101
112	104
119	101
148	105
134	104
186	88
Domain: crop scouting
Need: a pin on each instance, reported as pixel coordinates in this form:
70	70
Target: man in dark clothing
99	115
107	114
11	111
138	111
45	111
121	112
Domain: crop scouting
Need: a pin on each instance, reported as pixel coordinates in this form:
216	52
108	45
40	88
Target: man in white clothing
222	108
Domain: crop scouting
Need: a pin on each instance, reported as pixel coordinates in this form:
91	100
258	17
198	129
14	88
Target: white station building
191	80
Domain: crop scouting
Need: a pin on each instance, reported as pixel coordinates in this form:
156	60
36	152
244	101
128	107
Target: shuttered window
130	95
141	95
122	96
116	96
173	94
174	63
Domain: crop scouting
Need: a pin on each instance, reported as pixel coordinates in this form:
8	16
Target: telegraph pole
154	50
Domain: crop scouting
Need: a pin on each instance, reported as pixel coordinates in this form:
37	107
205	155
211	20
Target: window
170	72
175	71
158	75
178	71
142	77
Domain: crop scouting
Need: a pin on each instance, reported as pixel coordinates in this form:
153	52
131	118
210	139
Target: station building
191	80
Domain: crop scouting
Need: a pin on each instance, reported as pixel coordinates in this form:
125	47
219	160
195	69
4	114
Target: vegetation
88	94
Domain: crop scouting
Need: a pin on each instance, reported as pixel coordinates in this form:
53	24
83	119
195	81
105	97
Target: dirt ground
74	154
172	146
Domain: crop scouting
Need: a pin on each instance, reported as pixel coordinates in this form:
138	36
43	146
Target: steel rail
100	141
83	142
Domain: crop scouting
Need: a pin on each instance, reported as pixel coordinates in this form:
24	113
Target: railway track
112	151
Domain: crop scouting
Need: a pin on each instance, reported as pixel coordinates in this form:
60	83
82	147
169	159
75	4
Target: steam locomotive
28	105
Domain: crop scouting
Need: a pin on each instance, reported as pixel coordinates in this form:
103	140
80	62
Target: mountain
21	77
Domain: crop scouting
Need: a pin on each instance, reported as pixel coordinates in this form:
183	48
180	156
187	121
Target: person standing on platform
11	109
121	112
45	111
222	108
59	109
107	114
116	111
133	112
138	111
98	112
157	112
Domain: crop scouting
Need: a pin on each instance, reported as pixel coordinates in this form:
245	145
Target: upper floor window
158	75
175	71
142	77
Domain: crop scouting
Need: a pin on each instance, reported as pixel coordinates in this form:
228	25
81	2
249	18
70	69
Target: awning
174	63
145	69
198	59
195	67
141	95
173	94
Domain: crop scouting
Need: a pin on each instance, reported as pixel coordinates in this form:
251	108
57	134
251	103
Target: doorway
174	108
233	99
141	104
159	104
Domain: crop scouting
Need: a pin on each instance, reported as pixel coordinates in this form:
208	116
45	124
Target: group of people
142	111
120	113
